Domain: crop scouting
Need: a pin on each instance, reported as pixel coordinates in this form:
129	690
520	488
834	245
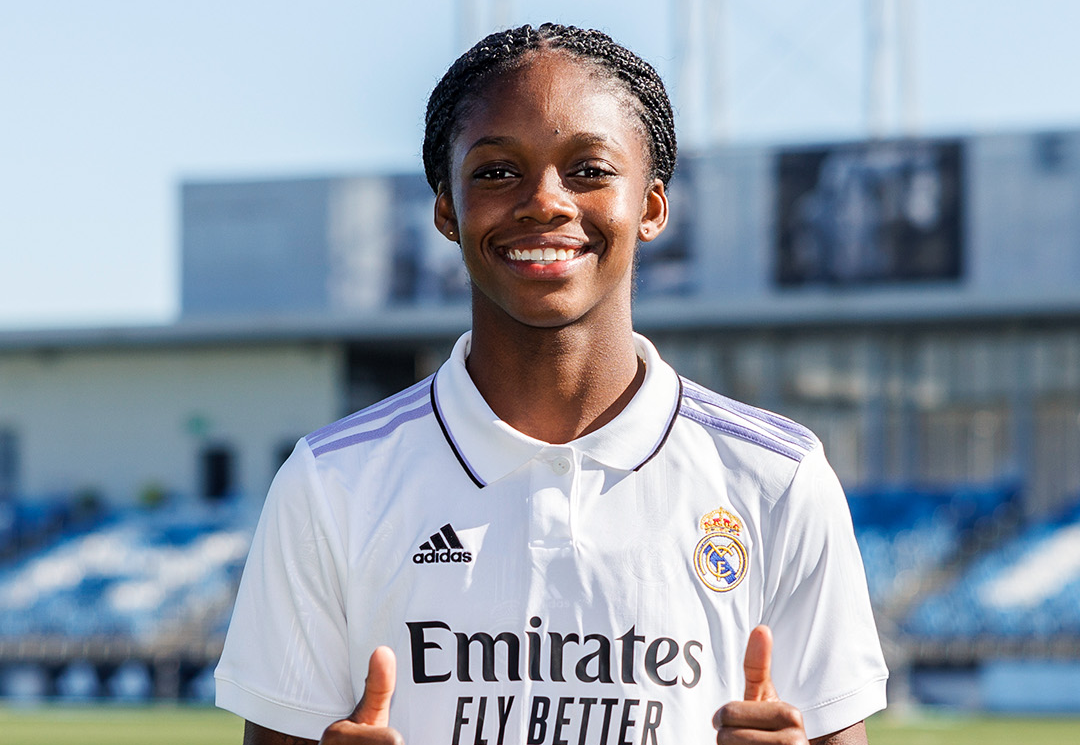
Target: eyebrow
583	138
496	141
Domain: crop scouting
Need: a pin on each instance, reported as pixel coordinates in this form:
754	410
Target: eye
494	173
592	171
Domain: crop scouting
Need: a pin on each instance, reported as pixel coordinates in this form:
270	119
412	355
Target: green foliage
152	495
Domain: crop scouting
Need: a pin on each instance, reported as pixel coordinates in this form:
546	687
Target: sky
106	107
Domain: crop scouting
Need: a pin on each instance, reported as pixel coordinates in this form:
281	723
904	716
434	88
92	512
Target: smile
542	255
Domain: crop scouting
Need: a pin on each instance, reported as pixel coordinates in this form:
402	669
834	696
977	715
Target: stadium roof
919	306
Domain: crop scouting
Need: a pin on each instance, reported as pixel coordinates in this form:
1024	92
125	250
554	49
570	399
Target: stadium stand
82	615
137	575
133	604
25	524
971	599
907	534
1026	588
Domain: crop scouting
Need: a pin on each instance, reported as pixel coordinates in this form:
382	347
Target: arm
784	723
256	735
761	717
853	735
827	654
369	723
296	655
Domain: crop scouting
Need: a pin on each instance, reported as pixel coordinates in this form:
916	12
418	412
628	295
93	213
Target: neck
555	384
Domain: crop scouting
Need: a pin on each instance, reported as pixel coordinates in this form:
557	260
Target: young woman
563	540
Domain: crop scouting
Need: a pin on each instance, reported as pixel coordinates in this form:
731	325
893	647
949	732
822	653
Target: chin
546	321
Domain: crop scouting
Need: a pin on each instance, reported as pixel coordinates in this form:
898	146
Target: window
9	464
218	472
373	374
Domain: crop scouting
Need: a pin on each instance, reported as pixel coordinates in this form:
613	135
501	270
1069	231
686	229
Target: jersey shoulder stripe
375	422
764	428
375	411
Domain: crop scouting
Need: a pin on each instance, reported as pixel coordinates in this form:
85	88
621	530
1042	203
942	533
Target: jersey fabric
599	592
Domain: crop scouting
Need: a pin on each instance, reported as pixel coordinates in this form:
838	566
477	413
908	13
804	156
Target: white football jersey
599	592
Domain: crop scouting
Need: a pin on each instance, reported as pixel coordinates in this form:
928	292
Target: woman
566	541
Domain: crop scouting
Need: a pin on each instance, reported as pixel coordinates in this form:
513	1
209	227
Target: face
550	194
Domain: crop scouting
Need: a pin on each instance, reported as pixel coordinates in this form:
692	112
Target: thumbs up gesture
369	723
761	717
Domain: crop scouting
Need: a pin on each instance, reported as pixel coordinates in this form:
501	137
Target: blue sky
106	107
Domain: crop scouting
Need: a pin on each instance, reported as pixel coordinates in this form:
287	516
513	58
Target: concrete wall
1000	213
116	420
1019	228
254	247
1024	207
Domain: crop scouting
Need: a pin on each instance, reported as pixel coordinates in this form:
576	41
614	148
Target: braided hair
503	51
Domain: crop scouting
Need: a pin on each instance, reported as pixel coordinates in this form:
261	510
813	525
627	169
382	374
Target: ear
445	217
654	216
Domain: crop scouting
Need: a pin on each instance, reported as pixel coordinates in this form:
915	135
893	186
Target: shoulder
374	424
762	430
763	453
319	482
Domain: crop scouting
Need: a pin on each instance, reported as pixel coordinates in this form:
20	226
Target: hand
369	724
761	717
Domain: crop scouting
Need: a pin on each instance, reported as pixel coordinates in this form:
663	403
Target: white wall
118	419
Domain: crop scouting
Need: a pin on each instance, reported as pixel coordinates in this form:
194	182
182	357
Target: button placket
552	482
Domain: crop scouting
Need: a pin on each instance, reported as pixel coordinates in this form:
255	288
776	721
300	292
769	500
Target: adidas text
446	556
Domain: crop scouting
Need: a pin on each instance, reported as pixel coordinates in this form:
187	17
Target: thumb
757	666
374	706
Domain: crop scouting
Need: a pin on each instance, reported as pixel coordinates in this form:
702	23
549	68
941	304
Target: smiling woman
540	141
607	540
548	162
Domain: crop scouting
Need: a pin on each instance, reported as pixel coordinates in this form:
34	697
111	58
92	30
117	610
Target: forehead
557	89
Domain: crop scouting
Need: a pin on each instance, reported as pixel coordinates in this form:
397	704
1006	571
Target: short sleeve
284	665
827	657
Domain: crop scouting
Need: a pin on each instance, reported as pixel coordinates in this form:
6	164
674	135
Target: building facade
915	302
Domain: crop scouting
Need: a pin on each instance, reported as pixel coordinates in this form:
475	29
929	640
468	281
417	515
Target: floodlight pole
891	95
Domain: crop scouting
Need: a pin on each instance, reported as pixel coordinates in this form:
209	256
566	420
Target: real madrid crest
720	558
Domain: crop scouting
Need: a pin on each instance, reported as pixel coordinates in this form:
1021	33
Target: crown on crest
720	520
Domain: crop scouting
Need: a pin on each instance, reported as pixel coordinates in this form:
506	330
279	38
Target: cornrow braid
501	52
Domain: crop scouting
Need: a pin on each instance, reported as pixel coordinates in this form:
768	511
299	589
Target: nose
545	199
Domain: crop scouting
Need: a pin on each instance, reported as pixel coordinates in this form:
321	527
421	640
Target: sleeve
285	664
827	657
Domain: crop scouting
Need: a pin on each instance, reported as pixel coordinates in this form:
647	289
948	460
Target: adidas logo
443	547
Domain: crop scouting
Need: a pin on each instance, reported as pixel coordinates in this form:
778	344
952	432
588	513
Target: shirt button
560	465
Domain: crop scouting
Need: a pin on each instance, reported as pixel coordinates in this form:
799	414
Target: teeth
543	255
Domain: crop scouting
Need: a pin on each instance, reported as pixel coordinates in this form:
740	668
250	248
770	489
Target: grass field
109	725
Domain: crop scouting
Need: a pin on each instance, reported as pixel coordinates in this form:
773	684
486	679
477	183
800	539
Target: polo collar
490	449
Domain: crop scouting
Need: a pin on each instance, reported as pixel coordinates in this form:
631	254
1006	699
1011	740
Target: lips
543	249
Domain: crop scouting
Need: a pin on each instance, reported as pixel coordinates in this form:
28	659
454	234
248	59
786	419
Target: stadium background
914	299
